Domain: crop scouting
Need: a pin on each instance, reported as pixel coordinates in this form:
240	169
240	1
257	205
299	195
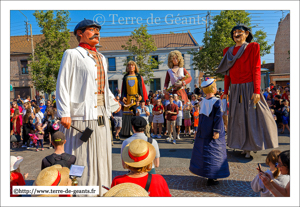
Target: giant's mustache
237	36
95	35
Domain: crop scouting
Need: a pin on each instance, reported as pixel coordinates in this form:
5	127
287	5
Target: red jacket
246	69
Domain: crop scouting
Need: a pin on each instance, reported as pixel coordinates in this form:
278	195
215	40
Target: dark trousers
40	141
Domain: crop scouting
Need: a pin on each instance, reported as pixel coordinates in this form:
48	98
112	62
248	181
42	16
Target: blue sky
122	22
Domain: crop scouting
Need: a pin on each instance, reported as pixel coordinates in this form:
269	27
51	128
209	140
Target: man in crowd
196	90
273	90
266	92
150	107
19	100
42	106
53	99
286	95
118	93
143	111
171	116
117	117
179	116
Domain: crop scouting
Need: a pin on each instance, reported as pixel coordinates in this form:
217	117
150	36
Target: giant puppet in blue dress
209	157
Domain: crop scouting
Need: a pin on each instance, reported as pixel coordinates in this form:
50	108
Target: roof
20	45
269	66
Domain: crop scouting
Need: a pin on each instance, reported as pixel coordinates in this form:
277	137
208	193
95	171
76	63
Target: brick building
281	75
115	55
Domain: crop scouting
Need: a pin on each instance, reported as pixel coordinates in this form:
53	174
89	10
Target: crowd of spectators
33	121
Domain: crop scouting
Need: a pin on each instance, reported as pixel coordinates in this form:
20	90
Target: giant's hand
224	96
178	84
66	122
256	98
166	92
216	135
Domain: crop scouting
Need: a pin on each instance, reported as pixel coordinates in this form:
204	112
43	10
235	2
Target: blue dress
209	157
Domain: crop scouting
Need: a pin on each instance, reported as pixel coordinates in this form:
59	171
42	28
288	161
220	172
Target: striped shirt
100	71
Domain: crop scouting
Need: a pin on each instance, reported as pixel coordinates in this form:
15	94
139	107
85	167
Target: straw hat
127	190
15	162
138	153
55	175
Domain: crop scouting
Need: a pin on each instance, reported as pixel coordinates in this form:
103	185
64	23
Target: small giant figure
209	158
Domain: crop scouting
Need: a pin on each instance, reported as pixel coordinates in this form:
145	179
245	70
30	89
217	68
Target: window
113	85
183	56
24	66
156	58
155	84
112	64
130	58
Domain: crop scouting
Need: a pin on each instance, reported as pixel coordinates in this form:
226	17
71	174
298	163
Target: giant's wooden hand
256	98
66	122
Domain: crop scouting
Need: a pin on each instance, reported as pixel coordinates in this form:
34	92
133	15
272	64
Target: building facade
281	75
111	48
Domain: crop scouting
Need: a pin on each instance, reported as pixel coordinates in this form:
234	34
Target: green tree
208	58
141	44
48	52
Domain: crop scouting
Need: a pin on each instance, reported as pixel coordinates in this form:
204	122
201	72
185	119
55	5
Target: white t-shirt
39	116
24	111
142	112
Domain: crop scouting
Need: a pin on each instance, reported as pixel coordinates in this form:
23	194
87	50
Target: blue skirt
285	119
209	158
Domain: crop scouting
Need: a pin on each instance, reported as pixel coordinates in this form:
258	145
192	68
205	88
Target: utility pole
31	37
27	30
26	25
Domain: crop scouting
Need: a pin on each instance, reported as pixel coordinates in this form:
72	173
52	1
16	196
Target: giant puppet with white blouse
177	75
83	98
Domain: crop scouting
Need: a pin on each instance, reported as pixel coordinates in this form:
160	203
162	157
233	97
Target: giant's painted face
90	36
240	35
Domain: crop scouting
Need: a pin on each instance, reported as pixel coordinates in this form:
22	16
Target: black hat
86	23
138	121
245	28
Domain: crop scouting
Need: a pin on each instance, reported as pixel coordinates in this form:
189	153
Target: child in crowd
39	132
59	156
285	115
196	120
273	114
50	124
39	116
187	117
274	171
16	178
27	126
16	120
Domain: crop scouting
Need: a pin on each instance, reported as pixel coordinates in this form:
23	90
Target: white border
293	6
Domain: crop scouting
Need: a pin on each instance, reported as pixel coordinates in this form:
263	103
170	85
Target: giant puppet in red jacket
251	126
